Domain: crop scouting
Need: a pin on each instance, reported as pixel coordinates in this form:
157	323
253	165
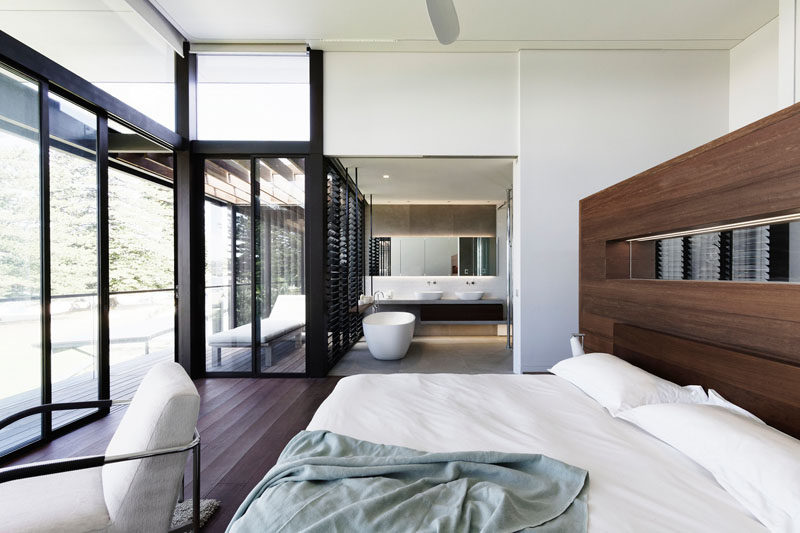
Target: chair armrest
50	407
58	466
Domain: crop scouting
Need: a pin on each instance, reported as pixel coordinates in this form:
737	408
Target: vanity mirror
433	256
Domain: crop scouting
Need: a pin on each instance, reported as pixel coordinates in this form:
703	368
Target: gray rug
183	512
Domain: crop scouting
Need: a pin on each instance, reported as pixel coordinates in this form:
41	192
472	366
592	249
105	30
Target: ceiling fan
444	20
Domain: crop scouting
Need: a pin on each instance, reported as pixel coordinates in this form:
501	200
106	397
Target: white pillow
715	398
757	464
618	385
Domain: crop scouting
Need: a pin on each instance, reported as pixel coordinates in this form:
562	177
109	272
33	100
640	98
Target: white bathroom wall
589	119
754	77
402	104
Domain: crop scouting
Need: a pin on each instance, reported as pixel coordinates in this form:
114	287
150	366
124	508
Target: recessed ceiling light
386	176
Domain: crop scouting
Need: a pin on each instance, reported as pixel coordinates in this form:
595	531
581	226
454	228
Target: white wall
589	119
754	77
420	103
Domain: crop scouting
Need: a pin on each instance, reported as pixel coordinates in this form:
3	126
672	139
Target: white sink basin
428	295
470	295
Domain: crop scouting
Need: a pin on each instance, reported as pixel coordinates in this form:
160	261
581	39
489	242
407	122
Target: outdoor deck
125	378
286	359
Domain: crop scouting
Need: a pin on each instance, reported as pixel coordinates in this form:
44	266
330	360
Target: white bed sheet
636	482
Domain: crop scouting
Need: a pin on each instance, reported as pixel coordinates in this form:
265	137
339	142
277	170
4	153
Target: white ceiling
499	25
100	40
433	180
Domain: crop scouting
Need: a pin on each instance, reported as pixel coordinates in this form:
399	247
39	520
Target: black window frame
52	78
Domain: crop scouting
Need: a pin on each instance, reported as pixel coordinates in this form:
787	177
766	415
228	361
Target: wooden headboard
769	389
736	332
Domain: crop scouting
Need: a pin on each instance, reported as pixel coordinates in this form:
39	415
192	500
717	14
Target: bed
636	482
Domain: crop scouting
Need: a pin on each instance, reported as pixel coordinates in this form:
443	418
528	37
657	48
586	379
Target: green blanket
328	482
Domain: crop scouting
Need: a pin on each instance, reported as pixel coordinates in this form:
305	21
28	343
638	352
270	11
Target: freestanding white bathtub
389	334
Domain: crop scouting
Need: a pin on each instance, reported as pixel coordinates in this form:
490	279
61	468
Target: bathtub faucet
375	301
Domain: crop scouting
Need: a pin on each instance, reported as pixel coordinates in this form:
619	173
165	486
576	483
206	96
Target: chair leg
182	492
217	357
196	488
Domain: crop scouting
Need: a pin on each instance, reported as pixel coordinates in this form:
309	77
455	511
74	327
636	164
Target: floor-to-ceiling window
228	242
20	257
86	247
255	265
280	264
74	287
141	257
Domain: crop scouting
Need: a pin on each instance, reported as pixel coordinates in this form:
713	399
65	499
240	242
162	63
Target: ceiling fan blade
444	20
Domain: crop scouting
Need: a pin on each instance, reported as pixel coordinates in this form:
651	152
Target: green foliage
140	225
19	218
141	245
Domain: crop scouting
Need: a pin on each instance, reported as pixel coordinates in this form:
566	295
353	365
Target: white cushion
140	495
271	328
288	314
68	502
757	464
290	307
618	385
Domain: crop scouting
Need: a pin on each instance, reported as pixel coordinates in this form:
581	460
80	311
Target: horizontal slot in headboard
768	388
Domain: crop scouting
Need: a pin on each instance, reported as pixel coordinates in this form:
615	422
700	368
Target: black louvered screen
344	263
380	253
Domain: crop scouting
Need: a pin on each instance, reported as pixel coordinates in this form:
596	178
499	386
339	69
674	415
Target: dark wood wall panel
769	389
751	173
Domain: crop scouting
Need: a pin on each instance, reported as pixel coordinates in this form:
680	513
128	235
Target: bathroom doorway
438	233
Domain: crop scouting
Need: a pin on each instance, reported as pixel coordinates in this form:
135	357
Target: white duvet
636	482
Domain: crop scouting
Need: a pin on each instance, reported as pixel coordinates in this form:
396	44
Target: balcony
141	335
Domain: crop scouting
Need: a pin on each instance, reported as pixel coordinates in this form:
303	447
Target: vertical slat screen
742	254
670	260
345	263
751	254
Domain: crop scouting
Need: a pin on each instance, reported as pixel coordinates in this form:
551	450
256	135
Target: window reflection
20	261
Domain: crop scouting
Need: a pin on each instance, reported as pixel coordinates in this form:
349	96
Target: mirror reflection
433	256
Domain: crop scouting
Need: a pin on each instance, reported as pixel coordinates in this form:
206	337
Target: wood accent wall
769	389
748	174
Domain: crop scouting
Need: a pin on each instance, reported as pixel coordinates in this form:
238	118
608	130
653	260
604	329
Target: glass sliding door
280	265
255	304
229	289
141	258
20	258
75	342
53	319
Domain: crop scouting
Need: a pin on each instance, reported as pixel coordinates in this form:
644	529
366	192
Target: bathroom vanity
452	316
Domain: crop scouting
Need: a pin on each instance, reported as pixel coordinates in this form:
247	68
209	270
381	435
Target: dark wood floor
244	424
